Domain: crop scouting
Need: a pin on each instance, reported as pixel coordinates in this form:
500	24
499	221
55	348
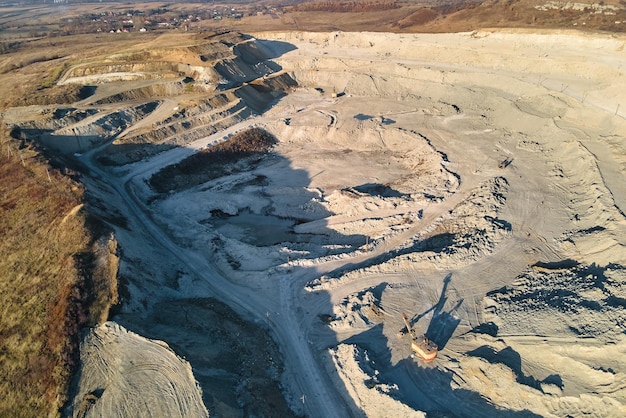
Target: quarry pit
473	181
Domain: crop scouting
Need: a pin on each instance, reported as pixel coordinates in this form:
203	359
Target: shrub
215	161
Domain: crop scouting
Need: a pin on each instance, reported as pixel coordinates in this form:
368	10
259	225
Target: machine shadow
443	324
424	387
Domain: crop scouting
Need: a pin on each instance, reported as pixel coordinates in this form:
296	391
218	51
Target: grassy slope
57	274
40	288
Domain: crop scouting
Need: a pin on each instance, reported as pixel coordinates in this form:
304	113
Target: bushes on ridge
214	162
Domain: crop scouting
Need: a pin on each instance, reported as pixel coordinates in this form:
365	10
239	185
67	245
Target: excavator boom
409	329
427	350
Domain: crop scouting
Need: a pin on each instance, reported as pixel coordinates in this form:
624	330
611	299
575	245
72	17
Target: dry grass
343	6
44	295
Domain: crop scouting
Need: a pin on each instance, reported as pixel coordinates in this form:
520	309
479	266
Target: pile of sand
124	374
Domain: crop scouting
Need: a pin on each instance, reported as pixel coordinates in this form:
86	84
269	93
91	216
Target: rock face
126	375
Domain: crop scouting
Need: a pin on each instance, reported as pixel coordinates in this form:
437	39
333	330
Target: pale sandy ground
473	181
148	373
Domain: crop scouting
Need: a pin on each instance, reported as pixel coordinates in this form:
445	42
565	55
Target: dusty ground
472	181
507	252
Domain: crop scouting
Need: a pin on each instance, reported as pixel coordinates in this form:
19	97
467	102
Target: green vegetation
55	74
216	161
50	286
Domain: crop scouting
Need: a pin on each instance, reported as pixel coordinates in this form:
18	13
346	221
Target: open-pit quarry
280	199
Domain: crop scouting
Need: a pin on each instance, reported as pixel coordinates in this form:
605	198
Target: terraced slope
164	97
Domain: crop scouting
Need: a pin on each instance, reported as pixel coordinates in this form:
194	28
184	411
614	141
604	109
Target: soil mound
125	374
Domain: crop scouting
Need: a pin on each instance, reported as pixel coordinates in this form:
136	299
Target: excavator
422	346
